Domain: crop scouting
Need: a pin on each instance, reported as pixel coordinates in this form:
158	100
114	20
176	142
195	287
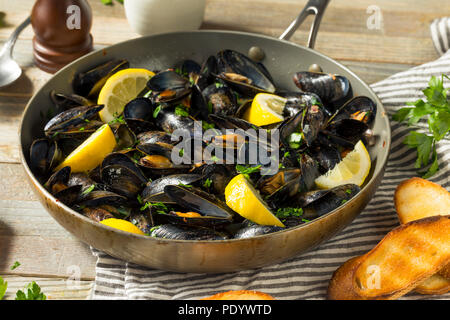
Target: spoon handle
9	44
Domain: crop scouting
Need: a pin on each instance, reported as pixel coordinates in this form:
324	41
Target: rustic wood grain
48	254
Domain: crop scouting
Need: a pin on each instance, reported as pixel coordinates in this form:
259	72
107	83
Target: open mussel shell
70	119
58	180
347	132
219	99
199	201
359	108
97	214
326	201
243	74
302	129
154	191
297	101
45	155
89	83
143	220
122	175
99	198
69	195
169	87
328	87
327	156
170	231
68	101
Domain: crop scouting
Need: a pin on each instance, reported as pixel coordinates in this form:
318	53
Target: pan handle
315	7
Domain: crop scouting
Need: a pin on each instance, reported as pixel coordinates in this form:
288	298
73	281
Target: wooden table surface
63	266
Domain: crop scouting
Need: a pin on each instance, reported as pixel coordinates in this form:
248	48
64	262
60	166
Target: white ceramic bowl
148	17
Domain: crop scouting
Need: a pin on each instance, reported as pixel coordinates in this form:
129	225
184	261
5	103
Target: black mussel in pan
71	118
170	231
243	74
45	155
170	118
327	200
328	87
67	101
206	205
154	191
89	83
359	108
255	230
169	86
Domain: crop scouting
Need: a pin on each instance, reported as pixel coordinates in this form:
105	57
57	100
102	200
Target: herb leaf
437	109
3	287
32	292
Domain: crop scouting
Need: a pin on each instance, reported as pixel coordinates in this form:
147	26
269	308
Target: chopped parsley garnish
181	111
437	110
247	170
288	212
88	190
15	265
207	183
156	111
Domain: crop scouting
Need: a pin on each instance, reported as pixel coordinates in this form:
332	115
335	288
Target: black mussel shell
169	231
45	155
243	74
154	191
58	180
196	200
70	119
69	195
168	120
328	201
97	214
255	230
89	83
359	108
68	101
327	156
142	220
328	87
98	198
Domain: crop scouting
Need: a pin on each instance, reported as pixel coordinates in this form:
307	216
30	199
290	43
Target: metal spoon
10	71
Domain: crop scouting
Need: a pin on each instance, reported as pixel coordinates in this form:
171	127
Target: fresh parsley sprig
437	110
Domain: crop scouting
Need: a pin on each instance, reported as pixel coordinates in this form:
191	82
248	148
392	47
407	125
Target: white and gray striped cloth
306	276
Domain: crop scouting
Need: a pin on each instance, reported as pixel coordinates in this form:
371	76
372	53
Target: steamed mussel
181	193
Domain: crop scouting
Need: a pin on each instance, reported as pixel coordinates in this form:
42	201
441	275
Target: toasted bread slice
341	283
405	257
435	284
417	198
240	295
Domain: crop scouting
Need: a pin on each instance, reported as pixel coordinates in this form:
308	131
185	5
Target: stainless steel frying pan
282	58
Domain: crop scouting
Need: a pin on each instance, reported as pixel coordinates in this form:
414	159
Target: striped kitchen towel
306	276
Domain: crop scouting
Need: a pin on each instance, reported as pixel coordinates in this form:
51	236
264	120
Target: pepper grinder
62	32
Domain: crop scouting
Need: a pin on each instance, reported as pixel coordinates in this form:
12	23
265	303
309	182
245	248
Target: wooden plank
404	37
53	288
28	234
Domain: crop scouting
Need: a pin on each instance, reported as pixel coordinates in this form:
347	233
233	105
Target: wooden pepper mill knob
62	32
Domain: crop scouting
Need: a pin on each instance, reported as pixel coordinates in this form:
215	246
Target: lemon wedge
122	225
92	151
121	88
354	168
243	198
265	109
